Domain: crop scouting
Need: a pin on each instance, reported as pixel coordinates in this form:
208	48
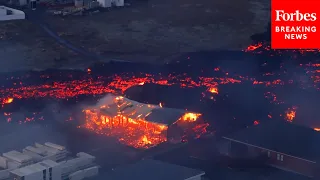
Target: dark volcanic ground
236	106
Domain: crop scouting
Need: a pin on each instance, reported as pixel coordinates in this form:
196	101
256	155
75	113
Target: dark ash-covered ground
236	106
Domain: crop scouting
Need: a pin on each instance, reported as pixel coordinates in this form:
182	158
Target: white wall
56	172
34	176
16	14
4	174
86	173
119	2
3	162
105	3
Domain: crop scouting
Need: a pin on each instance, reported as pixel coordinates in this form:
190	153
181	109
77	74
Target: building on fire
280	144
46	161
156	170
140	125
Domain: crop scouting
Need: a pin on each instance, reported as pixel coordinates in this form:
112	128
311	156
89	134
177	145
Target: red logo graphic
295	24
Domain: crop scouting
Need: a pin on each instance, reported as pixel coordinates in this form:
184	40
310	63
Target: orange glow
213	90
118	83
8	101
190	117
316	129
291	114
253	47
138	132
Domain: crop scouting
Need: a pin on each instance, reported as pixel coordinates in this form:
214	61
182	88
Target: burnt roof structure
281	136
135	110
152	169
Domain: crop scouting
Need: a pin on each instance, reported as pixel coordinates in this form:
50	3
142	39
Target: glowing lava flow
259	48
117	84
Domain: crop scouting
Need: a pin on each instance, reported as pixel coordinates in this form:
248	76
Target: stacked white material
35	157
39	151
52	151
55	146
18	157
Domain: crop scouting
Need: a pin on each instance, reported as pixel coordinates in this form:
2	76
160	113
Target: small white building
45	170
7	13
43	161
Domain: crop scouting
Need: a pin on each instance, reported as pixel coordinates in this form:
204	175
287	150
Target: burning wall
136	124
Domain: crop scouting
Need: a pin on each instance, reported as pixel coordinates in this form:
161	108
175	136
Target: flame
190	117
160	104
316	129
213	90
253	47
118	83
291	114
138	132
256	122
7	100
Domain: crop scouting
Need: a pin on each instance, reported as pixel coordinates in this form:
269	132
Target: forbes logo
281	15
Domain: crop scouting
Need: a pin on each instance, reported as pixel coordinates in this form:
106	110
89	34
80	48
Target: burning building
141	125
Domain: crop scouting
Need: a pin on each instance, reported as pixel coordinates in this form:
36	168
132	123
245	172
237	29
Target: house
128	120
156	170
280	144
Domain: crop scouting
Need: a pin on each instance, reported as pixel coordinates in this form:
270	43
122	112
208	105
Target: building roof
55	146
17	156
155	170
40	166
28	169
281	136
135	110
49	163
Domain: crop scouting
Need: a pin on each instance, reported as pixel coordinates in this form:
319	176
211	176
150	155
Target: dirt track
163	28
154	31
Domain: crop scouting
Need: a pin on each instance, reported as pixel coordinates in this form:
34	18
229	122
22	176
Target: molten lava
91	85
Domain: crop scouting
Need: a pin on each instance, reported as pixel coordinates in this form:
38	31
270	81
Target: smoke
105	100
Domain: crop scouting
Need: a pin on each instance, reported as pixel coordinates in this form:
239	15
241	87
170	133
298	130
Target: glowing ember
316	129
256	122
128	122
213	90
253	47
117	84
291	114
191	117
7	101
